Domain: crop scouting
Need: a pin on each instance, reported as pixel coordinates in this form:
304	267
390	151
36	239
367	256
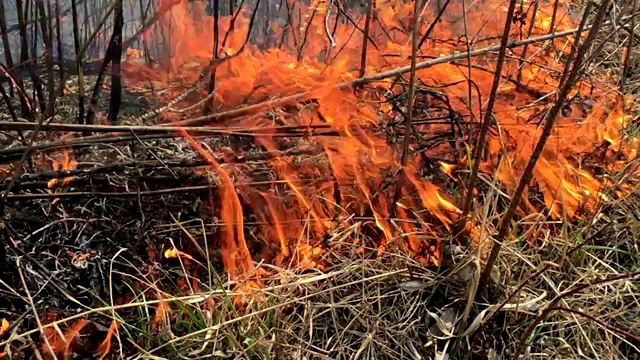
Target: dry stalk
433	24
209	104
526	47
33	307
78	53
627	54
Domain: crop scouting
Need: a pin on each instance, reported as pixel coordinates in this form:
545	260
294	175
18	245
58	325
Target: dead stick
154	129
627	54
11	154
574	290
624	333
365	38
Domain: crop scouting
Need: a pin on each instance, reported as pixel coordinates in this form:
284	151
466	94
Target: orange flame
64	161
360	168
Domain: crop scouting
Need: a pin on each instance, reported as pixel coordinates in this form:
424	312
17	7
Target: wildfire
360	168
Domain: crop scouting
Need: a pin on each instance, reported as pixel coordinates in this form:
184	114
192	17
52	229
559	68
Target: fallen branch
7	155
154	164
156	129
147	193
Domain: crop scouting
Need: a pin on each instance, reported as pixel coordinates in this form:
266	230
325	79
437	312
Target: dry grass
391	307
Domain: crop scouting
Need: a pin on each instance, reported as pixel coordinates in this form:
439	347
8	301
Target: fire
360	168
64	161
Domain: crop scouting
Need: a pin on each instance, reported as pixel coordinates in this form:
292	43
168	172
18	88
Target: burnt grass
75	253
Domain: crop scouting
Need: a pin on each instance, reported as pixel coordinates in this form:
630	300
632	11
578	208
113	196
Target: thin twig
604	324
434	23
629	50
576	289
126	194
33	307
153	164
365	38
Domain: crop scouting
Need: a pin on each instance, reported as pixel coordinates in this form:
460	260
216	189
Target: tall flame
361	163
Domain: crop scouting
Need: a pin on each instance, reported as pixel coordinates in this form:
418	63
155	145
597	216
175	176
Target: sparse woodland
319	179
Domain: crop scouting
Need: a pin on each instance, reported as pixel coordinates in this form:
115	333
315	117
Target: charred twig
132	181
48	42
410	101
628	335
629	49
552	25
306	32
77	62
526	47
78	53
365	38
355	24
116	57
518	83
10	108
24	99
232	24
25	155
141	129
15	153
114	52
434	23
209	103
